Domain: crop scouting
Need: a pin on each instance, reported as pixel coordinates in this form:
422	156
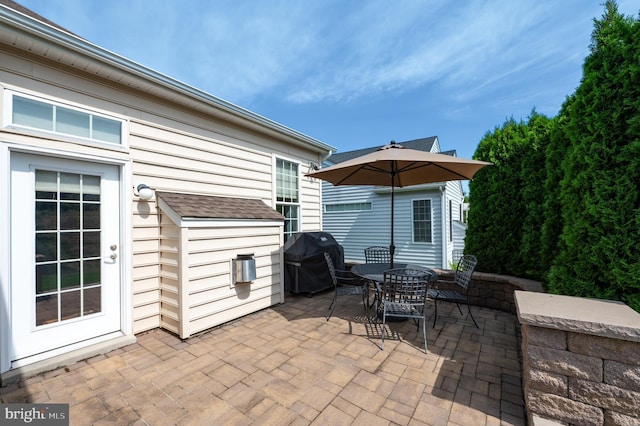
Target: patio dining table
374	273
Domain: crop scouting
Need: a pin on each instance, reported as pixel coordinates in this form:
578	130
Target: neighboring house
428	218
86	261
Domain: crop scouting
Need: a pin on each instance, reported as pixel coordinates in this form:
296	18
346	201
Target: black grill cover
305	267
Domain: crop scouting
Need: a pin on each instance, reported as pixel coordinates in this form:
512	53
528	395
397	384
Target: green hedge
561	203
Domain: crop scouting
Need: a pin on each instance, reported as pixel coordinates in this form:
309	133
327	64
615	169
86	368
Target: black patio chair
345	284
404	295
460	292
377	254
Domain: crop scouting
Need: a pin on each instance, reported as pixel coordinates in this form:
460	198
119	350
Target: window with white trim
347	207
422	223
39	114
288	195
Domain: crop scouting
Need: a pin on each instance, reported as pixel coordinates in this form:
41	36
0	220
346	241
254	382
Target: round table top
375	271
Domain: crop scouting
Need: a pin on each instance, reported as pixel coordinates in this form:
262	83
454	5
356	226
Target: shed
200	237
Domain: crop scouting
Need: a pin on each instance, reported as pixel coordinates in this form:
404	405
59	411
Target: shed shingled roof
212	207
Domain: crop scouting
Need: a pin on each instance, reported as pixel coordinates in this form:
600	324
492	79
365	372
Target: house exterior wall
182	146
356	231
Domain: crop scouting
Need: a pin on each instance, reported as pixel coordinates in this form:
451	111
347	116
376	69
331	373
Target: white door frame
126	321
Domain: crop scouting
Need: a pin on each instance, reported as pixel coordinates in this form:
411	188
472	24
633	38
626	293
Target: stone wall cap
597	317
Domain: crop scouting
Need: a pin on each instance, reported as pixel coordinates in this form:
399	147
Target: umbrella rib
363	167
417	165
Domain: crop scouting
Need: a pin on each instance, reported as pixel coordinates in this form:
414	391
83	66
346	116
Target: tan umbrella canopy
396	166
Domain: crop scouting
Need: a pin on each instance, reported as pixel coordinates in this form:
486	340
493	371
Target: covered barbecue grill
305	267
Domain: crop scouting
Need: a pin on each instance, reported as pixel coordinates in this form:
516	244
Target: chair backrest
406	285
466	265
377	254
332	269
456	255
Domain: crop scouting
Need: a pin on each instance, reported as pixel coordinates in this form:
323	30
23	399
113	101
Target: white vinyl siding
209	163
357	230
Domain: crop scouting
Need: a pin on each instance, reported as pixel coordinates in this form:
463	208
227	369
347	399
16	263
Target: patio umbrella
396	166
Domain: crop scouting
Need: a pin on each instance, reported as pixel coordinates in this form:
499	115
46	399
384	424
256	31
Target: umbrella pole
392	247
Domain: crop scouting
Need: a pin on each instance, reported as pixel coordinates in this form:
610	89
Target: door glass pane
91	244
69	275
46	247
68	246
70	304
46	216
46	278
92	300
91	272
46	309
70	216
46	185
91	188
69	186
91	216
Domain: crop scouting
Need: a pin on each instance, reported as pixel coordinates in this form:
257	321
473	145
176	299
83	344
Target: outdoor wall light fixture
144	192
313	166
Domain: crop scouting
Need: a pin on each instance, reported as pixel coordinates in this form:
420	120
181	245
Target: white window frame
7	120
297	204
413	220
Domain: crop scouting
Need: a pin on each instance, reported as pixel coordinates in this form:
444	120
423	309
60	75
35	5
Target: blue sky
356	73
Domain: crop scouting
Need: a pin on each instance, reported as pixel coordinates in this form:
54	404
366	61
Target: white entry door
65	243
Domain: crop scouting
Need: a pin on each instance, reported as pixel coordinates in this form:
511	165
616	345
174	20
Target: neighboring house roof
24	29
210	207
424	144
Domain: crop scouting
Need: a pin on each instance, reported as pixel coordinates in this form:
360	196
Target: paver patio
287	365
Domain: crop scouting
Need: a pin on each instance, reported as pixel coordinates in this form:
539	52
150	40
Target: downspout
443	216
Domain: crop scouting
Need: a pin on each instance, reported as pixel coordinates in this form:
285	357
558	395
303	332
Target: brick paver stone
288	365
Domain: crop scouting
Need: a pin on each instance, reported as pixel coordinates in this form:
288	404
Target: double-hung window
422	232
39	114
288	195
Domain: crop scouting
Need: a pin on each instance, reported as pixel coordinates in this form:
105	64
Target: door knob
113	256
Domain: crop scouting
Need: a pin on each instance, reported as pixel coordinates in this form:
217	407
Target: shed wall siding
211	297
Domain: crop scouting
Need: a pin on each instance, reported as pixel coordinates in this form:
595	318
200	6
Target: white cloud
336	51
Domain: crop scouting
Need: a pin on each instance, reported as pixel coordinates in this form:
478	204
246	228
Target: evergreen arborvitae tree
496	207
599	250
555	154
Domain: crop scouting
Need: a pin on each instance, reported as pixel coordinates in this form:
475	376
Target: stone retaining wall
581	360
491	290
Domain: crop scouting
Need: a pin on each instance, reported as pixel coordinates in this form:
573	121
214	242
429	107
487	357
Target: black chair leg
435	311
471	314
332	307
